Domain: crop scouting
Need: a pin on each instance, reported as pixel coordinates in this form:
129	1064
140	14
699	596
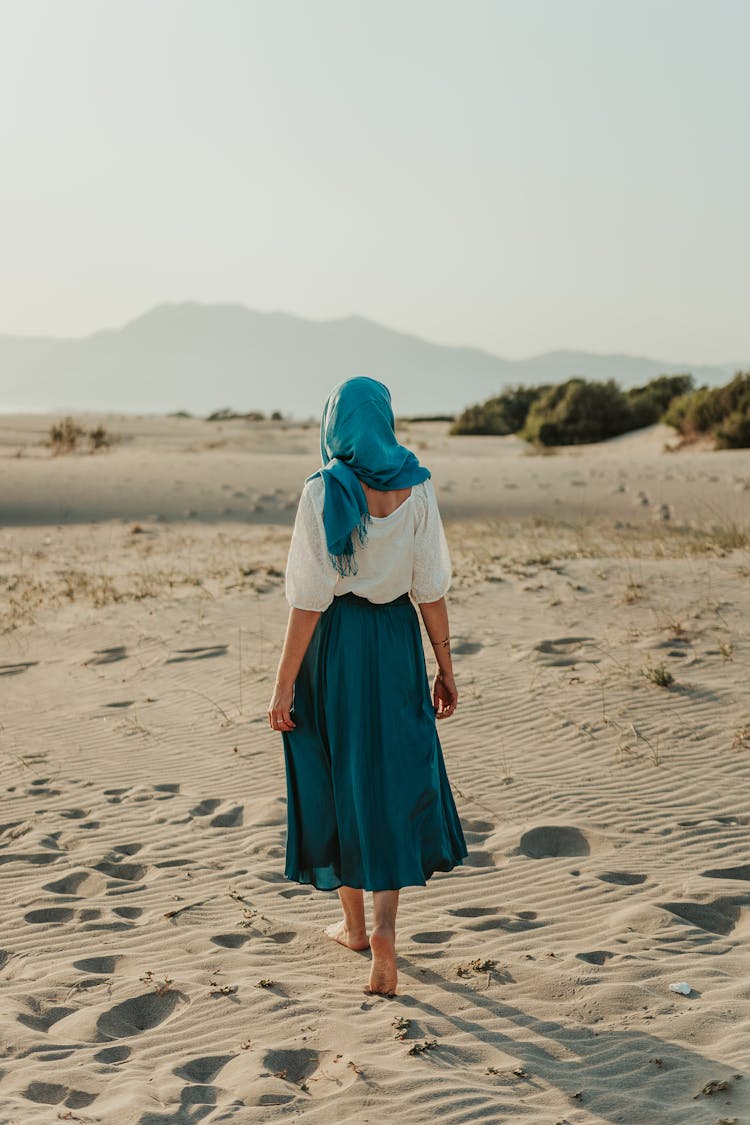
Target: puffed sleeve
431	577
310	575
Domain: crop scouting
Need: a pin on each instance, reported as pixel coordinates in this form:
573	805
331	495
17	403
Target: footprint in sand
202	1069
622	878
721	916
106	965
563	652
40	789
322	1073
53	1093
486	918
476	832
38	859
554	840
127	849
49	916
121	872
229	941
205	807
595	957
479	858
110	1055
474	911
114	796
108	655
135	793
17	669
741	872
201	652
78	884
466	648
232	818
140	1013
87	918
89	914
99	1024
128	912
433	937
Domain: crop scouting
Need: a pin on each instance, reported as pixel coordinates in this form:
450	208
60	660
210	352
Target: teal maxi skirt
369	803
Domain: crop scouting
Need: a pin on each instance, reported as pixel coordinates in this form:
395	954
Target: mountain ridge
197	356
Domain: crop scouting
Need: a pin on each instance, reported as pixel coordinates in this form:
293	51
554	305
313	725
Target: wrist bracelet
444	644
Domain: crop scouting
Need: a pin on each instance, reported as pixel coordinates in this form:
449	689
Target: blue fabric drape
358	442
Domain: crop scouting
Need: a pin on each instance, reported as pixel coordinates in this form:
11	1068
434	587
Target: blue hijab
358	442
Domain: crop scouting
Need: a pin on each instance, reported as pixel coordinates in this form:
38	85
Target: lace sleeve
310	575
431	577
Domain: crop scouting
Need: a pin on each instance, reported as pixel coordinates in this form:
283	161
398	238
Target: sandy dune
156	966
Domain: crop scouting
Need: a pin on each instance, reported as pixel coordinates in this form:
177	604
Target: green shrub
503	414
676	412
578	411
723	412
734	431
649	403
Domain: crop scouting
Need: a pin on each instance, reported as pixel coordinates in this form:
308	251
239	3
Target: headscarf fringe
343	557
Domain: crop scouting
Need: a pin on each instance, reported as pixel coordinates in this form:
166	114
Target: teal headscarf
358	442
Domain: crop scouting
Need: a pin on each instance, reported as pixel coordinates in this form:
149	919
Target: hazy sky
516	174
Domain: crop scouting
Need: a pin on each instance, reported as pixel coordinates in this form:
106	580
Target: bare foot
383	975
339	933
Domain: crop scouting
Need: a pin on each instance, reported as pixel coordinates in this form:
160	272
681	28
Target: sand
155	964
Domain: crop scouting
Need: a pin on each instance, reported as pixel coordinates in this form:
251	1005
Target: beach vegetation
405	418
722	413
226	414
67	435
574	412
649	403
502	414
658	674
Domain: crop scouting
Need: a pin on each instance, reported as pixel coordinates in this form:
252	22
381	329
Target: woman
369	804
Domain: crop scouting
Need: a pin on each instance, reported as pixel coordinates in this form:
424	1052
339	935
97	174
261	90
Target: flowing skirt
369	803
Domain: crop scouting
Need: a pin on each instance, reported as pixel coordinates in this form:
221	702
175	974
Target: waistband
357	599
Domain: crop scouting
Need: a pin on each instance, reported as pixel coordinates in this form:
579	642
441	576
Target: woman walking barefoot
369	803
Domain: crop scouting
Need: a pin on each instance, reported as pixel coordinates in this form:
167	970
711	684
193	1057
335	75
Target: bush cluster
65	436
722	412
573	412
503	414
226	414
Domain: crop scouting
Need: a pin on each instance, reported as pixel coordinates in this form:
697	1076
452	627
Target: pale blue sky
515	174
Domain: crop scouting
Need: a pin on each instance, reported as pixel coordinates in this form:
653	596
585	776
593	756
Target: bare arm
444	692
300	627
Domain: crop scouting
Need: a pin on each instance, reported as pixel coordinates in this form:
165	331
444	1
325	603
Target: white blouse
404	552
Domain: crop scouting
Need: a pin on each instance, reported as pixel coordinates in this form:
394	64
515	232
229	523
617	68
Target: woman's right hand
280	708
444	694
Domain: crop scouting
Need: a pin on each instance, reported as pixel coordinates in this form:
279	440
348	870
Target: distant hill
197	357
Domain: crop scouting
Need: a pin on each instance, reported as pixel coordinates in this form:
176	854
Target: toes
336	932
378	992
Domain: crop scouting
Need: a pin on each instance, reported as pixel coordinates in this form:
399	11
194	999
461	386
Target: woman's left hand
279	709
